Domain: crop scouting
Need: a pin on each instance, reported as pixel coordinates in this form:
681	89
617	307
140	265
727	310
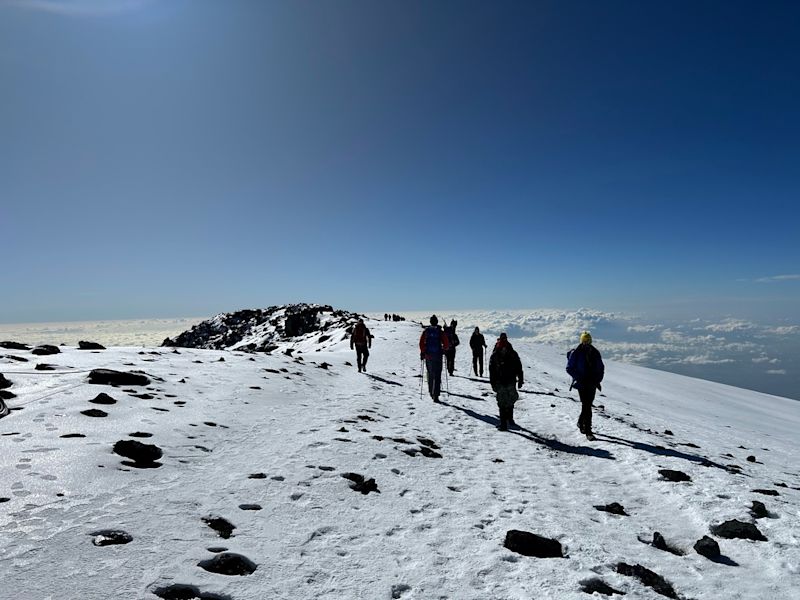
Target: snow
436	528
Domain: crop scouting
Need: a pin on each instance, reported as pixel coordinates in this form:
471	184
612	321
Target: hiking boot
590	437
503	426
510	415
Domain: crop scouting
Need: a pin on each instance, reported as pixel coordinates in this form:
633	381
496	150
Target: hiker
477	342
452	342
432	345
585	365
362	340
505	375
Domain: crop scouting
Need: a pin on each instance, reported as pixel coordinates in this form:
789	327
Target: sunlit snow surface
436	528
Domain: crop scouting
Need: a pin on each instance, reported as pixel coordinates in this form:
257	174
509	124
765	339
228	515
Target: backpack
360	334
433	341
503	366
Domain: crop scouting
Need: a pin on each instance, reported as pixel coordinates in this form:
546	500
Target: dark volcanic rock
738	529
14	346
16	358
758	510
103	398
530	544
44	367
72	435
614	508
137	451
90	346
140	434
222	526
45	350
360	484
110	537
4	383
111	377
751	458
94	412
228	563
179	591
598	585
257	476
660	543
671	475
648	578
250	506
767	492
707	547
6	395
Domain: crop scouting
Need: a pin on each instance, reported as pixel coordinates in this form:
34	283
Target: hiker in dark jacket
433	344
452	342
585	365
362	340
477	342
505	375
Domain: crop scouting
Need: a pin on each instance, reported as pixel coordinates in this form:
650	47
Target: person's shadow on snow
553	444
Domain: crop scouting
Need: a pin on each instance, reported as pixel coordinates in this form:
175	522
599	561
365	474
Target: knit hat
586	338
434	320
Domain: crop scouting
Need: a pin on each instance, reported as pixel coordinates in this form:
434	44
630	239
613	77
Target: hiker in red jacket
362	340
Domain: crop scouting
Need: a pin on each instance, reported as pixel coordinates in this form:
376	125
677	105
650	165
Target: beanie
586	338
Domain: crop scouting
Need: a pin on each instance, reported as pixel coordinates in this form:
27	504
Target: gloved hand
351	346
599	387
519	385
422	356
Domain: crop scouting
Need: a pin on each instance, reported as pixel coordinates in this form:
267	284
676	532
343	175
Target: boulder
707	547
758	510
360	484
14	346
110	537
103	398
180	591
596	584
111	377
4	383
671	475
614	508
46	350
228	563
648	578
530	544
82	345
137	451
660	543
94	412
44	367
735	529
223	527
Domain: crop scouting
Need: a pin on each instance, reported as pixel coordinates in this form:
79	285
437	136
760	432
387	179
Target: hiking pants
451	360
434	368
507	395
587	398
362	354
477	363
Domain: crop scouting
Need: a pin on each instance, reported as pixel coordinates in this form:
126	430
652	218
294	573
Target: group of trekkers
437	348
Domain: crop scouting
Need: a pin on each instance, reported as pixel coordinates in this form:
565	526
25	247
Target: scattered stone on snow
110	537
660	543
103	398
46	350
614	508
141	454
257	476
360	484
180	591
72	435
94	412
44	367
83	345
767	492
590	586
751	458
735	529
648	578
250	506
707	547
223	527
14	346
228	563
111	377
4	383
758	510
530	544
140	434
671	475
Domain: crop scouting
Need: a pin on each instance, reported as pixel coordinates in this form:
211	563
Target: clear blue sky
163	158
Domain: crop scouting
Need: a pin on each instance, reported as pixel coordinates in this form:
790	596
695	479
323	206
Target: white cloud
779	278
644	328
731	325
776	372
784	330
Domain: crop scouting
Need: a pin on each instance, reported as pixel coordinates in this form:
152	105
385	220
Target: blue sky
169	158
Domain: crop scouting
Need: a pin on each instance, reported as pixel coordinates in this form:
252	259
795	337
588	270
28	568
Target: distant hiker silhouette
433	344
585	365
478	344
362	340
505	375
452	342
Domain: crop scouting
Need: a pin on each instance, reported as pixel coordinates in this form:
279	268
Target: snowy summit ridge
265	330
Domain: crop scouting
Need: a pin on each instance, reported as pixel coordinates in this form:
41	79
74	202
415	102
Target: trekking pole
421	376
447	382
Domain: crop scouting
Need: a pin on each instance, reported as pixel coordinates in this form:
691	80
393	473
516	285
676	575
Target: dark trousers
434	368
362	354
477	363
451	360
587	398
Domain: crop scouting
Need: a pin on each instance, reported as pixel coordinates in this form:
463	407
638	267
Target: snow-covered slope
239	429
